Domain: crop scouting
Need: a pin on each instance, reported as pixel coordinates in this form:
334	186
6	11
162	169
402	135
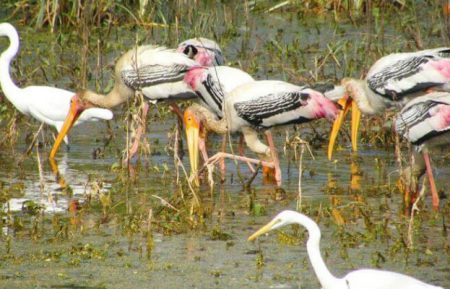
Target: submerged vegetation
121	228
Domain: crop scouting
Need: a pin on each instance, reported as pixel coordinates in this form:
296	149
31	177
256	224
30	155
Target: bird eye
190	51
304	96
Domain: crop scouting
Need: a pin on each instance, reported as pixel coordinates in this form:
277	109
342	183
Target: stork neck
326	279
114	98
210	120
9	88
365	98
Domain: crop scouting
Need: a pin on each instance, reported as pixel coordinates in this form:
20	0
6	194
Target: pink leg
140	131
275	160
215	158
202	148
176	109
434	194
241	152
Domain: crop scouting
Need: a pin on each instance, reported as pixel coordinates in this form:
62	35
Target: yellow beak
356	117
74	113
192	128
345	103
263	230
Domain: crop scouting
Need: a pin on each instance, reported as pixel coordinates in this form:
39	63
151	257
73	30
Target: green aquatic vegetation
218	235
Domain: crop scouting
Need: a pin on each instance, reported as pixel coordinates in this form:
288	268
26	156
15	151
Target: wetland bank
96	225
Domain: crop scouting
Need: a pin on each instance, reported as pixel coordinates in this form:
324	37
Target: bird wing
47	104
149	75
217	82
259	110
212	94
425	118
397	75
150	65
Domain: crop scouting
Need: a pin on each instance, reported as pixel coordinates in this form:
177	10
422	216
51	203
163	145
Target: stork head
352	90
321	107
205	51
195	132
77	105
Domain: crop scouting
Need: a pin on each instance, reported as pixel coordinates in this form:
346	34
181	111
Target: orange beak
74	113
192	128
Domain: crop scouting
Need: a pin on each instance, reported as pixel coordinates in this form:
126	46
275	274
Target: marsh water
94	224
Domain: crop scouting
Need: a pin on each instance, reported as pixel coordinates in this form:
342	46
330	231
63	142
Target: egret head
282	219
205	51
346	102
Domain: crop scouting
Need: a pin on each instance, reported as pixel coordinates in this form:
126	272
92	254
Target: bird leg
251	138
218	156
434	194
241	152
173	106
275	158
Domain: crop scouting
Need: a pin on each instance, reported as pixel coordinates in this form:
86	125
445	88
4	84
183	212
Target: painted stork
392	81
156	72
357	279
211	84
47	104
425	123
258	105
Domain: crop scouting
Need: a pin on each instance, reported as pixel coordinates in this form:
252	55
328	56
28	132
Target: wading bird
258	105
392	81
425	123
156	72
211	84
358	279
47	104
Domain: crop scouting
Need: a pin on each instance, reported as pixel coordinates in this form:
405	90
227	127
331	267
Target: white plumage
44	103
155	71
259	105
393	80
268	103
358	279
426	120
396	78
212	83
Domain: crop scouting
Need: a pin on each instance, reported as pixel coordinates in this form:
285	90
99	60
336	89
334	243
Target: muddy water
108	241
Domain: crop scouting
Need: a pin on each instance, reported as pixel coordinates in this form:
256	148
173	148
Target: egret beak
345	103
192	128
263	230
74	113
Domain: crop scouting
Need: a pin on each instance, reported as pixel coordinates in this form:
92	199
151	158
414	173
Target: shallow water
122	234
